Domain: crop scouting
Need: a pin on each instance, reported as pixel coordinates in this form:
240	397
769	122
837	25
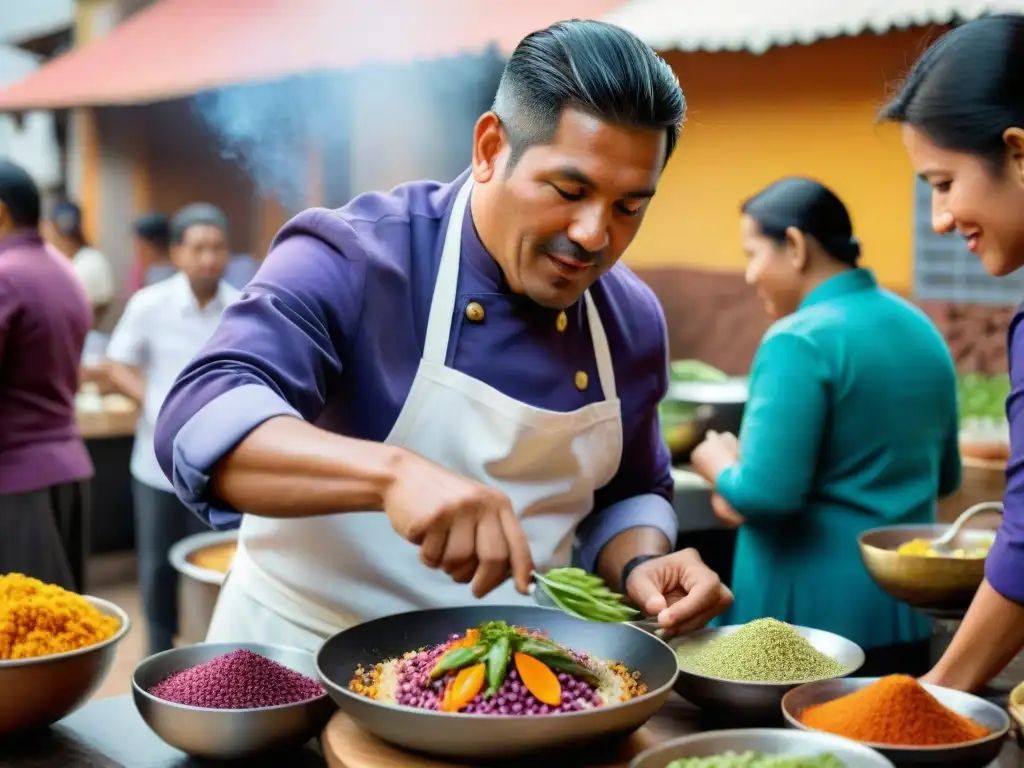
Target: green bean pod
598	611
497	665
457	659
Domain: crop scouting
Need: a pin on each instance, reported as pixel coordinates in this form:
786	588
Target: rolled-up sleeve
1004	567
640	494
785	415
275	353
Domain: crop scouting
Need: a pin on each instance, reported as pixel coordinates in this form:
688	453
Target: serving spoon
942	543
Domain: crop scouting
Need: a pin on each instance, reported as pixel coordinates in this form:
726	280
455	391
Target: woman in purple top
962	112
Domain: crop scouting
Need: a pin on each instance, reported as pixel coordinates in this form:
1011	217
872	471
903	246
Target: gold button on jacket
582	380
474	312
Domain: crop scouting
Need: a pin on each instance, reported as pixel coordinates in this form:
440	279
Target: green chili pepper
570	667
457	659
532	646
497	664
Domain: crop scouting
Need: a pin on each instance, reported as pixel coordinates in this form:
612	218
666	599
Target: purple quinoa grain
237	680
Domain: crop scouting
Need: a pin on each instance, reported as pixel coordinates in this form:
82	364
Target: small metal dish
765	741
37	692
972	754
942	587
753	701
228	734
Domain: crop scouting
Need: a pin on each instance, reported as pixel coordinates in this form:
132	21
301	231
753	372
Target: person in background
64	231
851	423
151	251
962	114
44	466
163	327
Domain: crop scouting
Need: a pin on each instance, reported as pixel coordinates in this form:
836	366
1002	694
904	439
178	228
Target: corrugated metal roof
757	25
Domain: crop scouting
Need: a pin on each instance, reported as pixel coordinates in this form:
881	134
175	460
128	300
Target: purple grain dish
237	680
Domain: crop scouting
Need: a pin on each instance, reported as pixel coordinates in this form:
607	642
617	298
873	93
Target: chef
435	389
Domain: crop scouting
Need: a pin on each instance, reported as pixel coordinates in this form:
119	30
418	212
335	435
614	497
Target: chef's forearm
991	634
627	545
287	467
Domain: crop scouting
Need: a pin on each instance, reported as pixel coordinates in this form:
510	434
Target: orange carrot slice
465	642
464	688
539	680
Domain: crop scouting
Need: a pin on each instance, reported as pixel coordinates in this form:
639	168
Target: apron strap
602	355
442	305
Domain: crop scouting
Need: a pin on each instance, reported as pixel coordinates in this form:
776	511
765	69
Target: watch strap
632	564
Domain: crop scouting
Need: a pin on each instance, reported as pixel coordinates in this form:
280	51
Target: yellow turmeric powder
38	619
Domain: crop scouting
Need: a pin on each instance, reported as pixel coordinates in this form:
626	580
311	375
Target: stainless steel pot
198	588
718	406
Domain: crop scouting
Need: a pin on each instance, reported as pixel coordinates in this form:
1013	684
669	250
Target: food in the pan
757	760
584	595
216	557
38	619
498	669
895	710
923	548
237	680
763	651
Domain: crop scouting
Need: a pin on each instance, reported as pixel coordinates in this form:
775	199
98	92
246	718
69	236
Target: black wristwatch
628	569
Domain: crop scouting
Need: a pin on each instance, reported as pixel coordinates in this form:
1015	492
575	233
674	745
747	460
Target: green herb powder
755	760
763	651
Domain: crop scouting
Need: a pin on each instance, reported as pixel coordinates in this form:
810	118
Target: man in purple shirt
468	359
44	466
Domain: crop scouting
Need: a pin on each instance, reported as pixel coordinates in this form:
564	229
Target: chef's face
983	203
565	213
202	255
774	269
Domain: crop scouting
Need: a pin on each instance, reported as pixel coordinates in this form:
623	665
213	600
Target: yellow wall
807	110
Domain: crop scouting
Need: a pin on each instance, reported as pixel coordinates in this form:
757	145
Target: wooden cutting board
346	745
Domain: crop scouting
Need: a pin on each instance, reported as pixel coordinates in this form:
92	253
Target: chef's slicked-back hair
597	68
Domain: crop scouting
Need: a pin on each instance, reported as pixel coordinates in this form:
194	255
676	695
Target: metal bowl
940	586
198	588
228	734
972	754
35	693
766	741
481	739
749	700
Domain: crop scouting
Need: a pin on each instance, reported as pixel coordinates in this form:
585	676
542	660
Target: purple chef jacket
44	317
332	328
1004	566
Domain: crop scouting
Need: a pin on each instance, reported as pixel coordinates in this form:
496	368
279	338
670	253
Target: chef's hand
717	451
724	512
463	527
680	590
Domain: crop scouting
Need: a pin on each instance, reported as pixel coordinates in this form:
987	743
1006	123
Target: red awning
176	48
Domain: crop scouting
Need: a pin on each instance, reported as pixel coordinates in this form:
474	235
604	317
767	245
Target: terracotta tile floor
132	649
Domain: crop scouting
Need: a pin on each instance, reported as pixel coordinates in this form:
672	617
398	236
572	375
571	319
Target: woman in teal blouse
851	423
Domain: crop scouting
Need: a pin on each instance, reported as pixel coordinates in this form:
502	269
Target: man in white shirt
64	231
163	327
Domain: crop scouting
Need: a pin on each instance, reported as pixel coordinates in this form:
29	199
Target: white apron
298	581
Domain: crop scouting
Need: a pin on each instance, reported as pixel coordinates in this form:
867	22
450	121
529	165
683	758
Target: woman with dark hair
962	112
851	423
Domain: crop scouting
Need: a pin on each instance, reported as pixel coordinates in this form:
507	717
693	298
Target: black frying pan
476	738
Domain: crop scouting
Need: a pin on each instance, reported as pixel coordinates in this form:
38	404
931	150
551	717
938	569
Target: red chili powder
237	680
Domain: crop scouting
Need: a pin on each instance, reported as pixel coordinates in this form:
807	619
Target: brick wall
717	318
